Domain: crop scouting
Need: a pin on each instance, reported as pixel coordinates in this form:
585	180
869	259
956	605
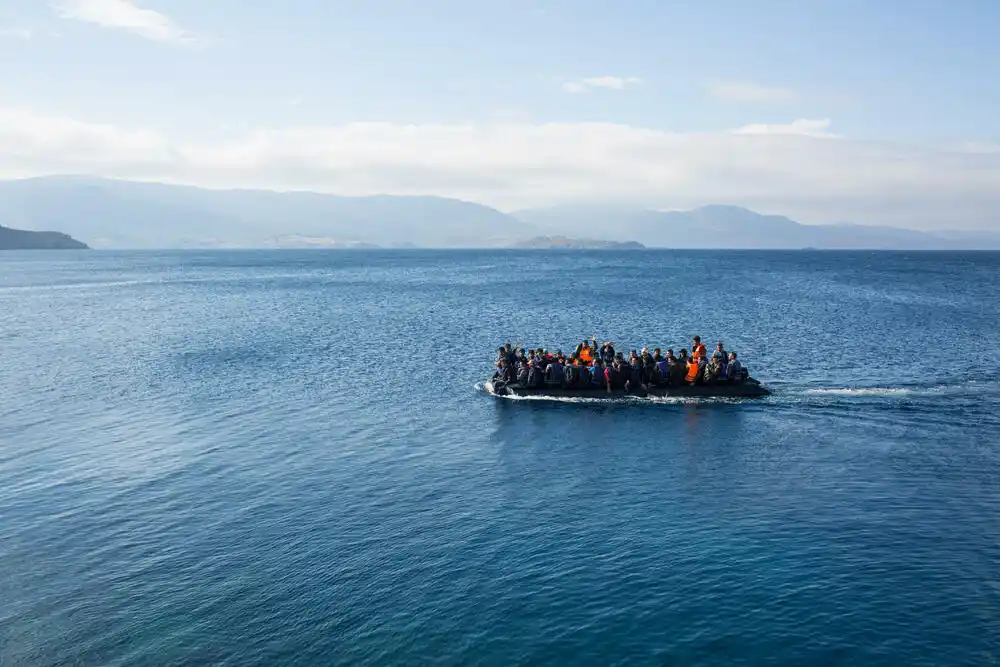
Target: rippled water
277	458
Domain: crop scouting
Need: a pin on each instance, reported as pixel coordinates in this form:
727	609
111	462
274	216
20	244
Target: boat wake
957	387
860	391
619	400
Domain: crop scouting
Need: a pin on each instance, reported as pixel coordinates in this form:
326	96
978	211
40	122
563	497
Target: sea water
286	458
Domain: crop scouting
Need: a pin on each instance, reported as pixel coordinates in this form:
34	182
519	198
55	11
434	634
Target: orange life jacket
692	373
699	351
585	355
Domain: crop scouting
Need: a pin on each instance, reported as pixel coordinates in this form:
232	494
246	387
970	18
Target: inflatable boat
748	388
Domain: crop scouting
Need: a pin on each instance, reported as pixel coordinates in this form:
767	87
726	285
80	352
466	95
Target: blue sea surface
286	458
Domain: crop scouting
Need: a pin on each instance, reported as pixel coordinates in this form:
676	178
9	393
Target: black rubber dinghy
749	388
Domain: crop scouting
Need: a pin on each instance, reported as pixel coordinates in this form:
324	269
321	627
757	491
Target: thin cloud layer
798	171
748	92
125	15
802	126
606	82
17	33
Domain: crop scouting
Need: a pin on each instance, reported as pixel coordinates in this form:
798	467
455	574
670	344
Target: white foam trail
861	391
72	286
599	400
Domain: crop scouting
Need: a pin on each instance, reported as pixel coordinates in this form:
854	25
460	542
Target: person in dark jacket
523	371
648	366
554	372
608	353
504	376
662	372
615	375
597	379
536	376
635	382
569	375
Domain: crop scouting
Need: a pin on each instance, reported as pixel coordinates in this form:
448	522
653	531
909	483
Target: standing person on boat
720	353
698	348
608	352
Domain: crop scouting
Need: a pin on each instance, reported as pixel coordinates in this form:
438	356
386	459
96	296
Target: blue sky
228	92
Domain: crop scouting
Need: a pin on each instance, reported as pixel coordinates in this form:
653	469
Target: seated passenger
720	353
693	370
648	366
504	376
597	375
615	375
523	371
536	376
662	371
583	379
734	369
569	375
712	371
554	372
636	381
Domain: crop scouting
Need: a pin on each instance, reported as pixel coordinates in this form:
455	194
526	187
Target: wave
71	286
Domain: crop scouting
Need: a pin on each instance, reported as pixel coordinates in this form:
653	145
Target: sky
828	111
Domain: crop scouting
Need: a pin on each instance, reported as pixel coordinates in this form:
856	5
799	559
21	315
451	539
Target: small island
20	239
565	242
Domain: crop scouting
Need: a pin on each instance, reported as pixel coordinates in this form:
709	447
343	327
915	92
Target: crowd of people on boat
593	366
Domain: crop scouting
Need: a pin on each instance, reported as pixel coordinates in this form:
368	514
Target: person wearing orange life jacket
693	369
698	348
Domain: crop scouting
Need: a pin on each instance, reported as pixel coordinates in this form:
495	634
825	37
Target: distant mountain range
19	239
125	214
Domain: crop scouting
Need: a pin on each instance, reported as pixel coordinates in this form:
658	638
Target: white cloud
515	164
747	92
125	15
17	33
608	82
801	126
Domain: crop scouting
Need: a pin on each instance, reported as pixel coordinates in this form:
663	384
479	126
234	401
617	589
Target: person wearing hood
607	353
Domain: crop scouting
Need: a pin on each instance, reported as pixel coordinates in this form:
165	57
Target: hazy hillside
111	213
123	214
735	227
19	239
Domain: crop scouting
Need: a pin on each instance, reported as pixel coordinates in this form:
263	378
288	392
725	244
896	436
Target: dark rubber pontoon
749	388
